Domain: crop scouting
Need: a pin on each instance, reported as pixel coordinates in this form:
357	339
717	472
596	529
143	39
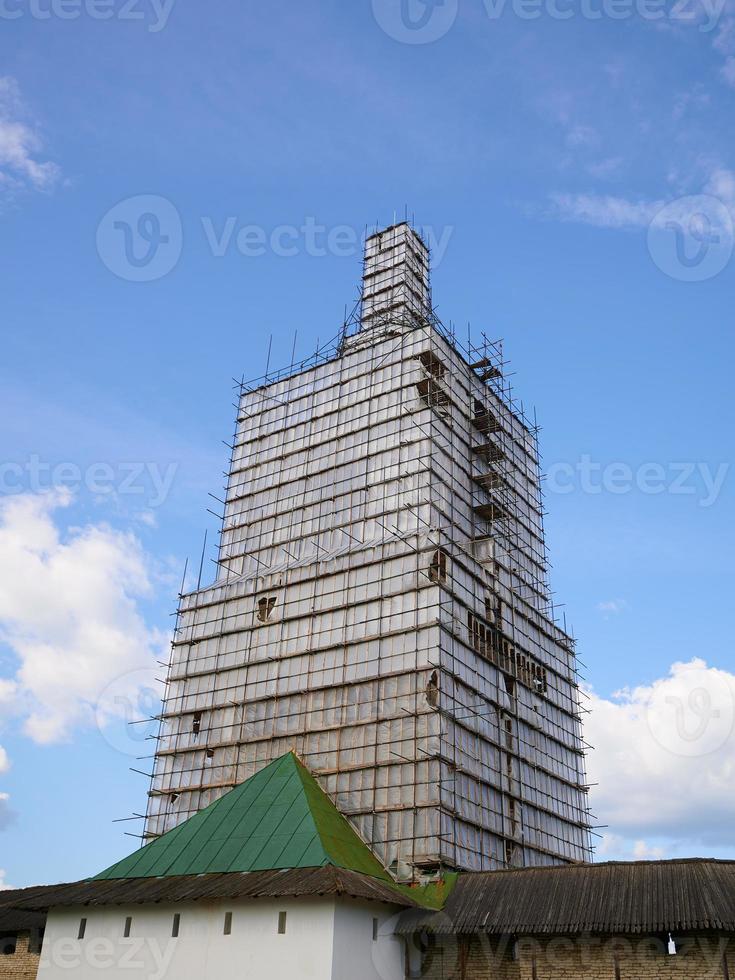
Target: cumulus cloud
4	886
21	144
612	606
604	210
664	761
609	211
69	613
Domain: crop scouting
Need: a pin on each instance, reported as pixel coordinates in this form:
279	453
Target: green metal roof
279	818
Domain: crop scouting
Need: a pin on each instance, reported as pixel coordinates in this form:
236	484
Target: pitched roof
297	883
616	897
17	920
279	818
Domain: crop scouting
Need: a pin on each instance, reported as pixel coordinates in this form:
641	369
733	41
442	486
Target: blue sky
578	171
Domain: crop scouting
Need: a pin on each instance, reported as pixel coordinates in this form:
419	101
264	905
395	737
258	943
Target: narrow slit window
266	605
376	926
82	928
175	925
228	924
128	927
432	690
281	923
513	815
196	723
508	725
438	566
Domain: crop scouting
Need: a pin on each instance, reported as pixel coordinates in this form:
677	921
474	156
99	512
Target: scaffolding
381	604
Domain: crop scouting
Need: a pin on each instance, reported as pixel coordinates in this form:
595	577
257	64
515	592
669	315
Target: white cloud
643	852
613	847
607	211
21	144
612	606
69	612
4	886
604	211
7	816
664	760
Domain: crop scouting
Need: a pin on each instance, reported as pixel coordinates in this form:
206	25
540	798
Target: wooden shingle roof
615	897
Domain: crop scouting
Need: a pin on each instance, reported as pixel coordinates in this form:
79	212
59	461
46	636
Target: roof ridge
311	784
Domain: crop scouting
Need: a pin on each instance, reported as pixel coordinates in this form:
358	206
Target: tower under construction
382	604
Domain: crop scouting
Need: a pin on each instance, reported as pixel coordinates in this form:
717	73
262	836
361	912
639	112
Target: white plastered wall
324	939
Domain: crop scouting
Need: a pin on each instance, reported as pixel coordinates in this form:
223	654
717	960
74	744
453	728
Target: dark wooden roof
18	920
616	897
299	882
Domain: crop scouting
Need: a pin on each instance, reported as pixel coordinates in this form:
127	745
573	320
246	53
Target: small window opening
35	942
265	608
8	943
176	925
82	928
281	923
510	853
490	609
725	968
432	364
438	566
510	684
196	722
534	968
172	800
508	726
376	926
513	815
432	392
128	927
616	964
228	924
210	753
432	690
509	766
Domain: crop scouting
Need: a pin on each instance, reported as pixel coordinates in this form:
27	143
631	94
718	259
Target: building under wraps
382	604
